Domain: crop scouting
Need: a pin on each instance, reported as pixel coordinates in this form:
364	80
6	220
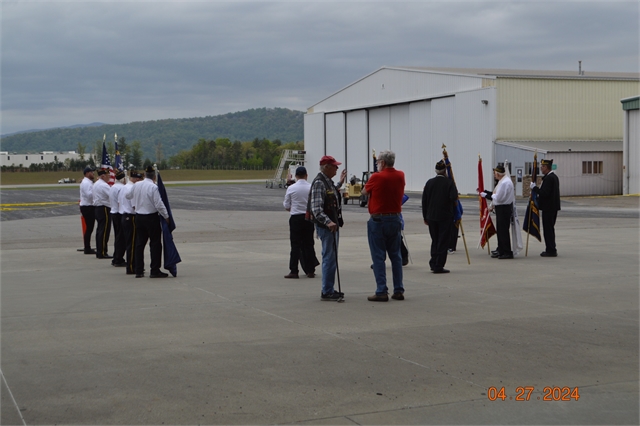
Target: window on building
8	157
42	157
26	157
528	167
592	168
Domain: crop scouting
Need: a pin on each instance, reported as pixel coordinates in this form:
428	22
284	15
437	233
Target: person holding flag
487	230
438	204
549	202
105	164
503	198
146	200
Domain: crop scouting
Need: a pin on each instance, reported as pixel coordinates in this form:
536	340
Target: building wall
8	158
555	109
574	182
415	131
632	152
388	86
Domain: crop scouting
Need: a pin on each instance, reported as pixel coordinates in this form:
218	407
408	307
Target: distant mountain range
175	134
75	126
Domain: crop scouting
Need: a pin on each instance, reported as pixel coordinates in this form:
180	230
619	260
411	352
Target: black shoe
506	256
130	273
495	255
397	296
376	298
441	271
292	275
119	265
547	254
158	275
104	257
495	252
139	275
90	251
332	296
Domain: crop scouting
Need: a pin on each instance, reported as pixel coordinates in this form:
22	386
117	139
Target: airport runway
230	341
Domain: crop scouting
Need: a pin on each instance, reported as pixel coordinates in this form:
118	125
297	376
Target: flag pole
459	224
535	164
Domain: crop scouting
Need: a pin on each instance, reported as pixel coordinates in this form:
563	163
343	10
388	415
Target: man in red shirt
385	190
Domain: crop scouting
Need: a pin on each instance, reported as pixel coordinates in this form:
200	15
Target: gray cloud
67	63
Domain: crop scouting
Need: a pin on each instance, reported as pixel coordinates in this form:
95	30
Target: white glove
483	194
533	185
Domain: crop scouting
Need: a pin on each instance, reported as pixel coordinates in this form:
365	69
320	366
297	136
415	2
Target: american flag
106	164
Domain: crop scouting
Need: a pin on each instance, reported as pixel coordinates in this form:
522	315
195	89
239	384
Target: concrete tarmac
230	341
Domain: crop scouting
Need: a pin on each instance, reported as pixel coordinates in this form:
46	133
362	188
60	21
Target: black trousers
453	241
440	231
302	250
129	237
103	230
548	228
89	215
148	229
119	243
503	223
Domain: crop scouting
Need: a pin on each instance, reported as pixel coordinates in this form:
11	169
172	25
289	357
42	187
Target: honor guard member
324	210
549	204
502	201
438	203
103	209
116	219
300	230
86	208
385	190
129	221
147	204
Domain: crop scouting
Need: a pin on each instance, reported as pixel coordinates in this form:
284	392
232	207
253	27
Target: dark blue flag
171	255
118	164
532	215
457	214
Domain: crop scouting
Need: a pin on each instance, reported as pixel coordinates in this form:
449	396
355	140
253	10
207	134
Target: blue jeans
384	237
329	265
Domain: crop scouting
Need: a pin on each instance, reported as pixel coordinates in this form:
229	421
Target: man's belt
377	215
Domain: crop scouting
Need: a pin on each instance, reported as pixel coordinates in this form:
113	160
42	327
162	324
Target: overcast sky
66	63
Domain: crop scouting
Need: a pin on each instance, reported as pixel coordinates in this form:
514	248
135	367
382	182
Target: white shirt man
86	208
300	229
102	207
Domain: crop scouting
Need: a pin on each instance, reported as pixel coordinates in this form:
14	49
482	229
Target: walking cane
335	250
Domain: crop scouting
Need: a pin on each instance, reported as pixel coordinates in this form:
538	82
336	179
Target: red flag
486	224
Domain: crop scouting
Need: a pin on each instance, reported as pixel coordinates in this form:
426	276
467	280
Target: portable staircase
289	156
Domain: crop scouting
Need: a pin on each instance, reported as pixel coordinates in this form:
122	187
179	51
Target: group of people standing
317	206
132	209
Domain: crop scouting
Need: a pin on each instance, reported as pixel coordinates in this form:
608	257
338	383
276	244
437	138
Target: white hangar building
497	114
631	146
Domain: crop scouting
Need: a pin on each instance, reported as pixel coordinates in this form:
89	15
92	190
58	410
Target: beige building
502	115
631	146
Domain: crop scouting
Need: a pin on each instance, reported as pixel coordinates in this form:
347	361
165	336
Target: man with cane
324	210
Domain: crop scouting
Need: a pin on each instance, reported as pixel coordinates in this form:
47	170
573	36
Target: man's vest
331	201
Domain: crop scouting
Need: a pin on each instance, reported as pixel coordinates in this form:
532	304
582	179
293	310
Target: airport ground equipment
289	157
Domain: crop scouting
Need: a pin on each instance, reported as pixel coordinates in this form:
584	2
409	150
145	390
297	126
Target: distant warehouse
502	115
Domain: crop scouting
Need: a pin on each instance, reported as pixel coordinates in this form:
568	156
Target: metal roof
506	73
565	146
631	103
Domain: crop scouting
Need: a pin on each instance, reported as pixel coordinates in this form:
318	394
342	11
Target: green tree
81	151
135	156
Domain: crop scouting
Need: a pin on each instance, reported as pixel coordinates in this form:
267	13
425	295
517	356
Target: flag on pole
106	164
170	252
532	215
118	164
486	224
375	162
457	214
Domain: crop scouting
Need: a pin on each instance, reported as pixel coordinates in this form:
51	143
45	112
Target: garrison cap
546	162
440	165
499	169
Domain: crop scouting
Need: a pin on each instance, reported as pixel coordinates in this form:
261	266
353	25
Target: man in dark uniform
438	203
549	204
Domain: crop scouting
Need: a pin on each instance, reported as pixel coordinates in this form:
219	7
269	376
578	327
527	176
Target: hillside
175	134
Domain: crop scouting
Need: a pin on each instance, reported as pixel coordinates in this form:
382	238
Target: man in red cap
324	207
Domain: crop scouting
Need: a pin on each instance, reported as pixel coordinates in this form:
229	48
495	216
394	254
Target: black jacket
438	199
549	192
